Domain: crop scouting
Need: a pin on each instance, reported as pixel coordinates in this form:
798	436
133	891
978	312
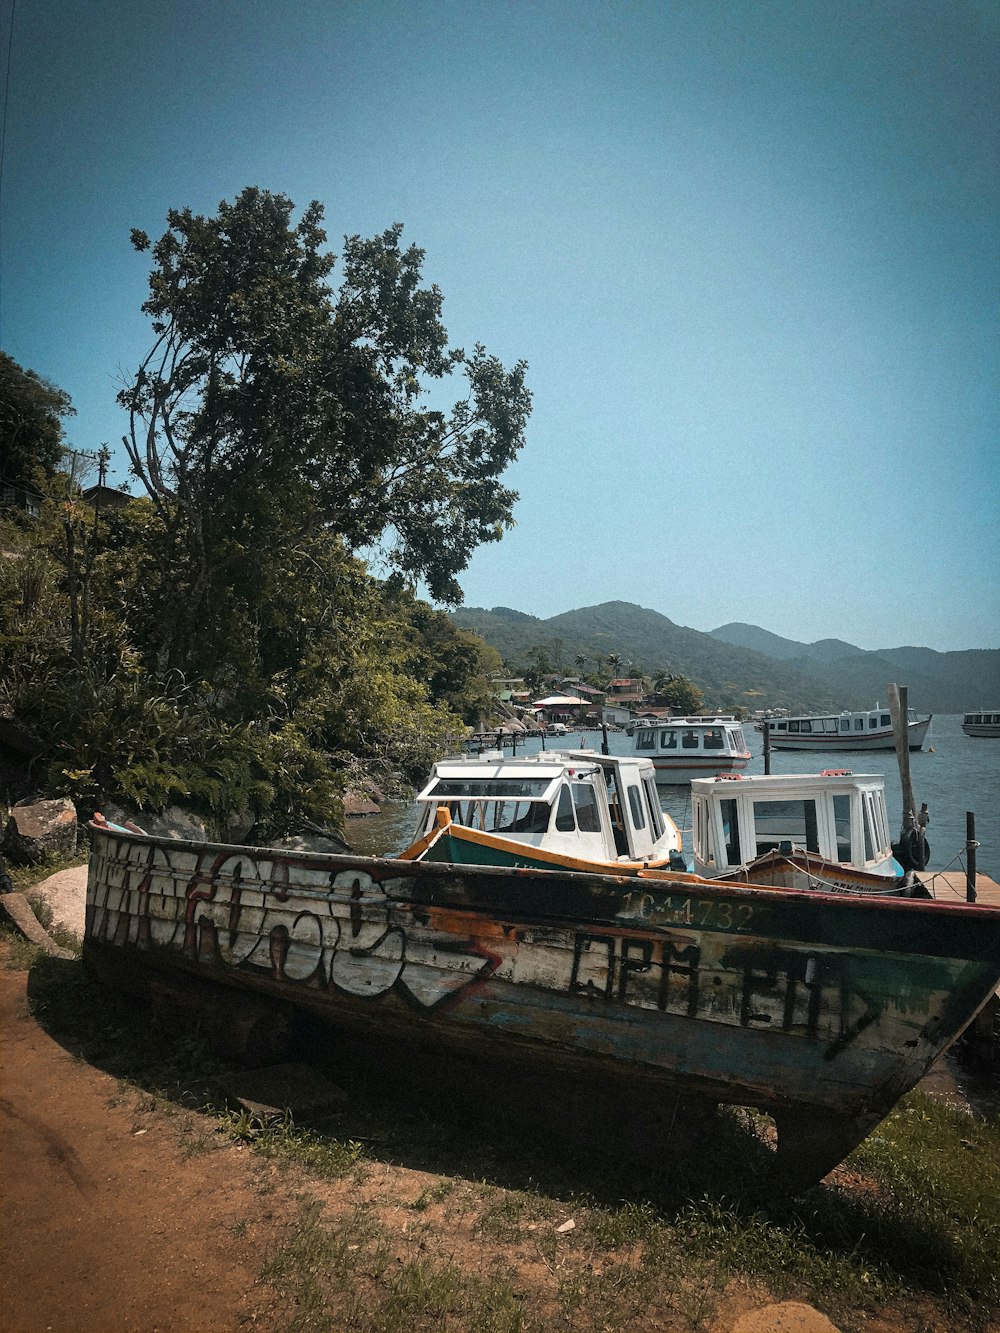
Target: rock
357	803
785	1317
18	911
39	829
312	842
174	822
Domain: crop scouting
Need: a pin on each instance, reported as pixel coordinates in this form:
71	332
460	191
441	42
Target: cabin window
511	788
587	818
645	739
731	833
968	718
565	822
689	740
785	821
781	726
859	724
714	739
845	724
738	739
793	726
830	723
653	805
872	721
502	816
668	740
635	805
842	826
886	719
805	726
869	829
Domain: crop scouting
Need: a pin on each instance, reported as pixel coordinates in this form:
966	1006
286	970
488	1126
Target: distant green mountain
738	665
937	682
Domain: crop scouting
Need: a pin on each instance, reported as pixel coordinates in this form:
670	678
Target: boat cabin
683	748
570	802
837	815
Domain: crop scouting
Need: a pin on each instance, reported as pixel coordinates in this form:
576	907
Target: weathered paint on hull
821	1009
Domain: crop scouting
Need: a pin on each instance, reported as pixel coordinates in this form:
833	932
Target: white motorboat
861	729
684	748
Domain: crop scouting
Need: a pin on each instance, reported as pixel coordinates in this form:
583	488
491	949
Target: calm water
953	774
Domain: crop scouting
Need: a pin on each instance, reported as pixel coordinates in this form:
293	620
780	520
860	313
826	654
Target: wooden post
767	747
970	856
898	711
605	748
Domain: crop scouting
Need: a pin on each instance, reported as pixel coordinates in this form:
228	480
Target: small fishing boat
863	729
555	810
827	831
822	1009
684	748
982	723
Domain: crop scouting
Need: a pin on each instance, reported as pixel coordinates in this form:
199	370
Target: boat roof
686	721
544	764
777	783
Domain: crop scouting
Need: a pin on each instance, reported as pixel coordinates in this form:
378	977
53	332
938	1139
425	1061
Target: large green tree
31	423
272	405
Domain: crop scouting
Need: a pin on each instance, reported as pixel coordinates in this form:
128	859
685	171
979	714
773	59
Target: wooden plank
948	885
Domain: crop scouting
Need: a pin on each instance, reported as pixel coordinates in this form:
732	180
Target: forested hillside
756	670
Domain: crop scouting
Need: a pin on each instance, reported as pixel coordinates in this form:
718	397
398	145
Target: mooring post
605	749
970	856
767	748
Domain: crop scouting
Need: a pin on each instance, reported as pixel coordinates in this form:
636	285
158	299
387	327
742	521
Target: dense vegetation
222	640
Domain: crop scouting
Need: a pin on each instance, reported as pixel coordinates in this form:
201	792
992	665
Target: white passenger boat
554	810
683	748
982	723
827	831
863	729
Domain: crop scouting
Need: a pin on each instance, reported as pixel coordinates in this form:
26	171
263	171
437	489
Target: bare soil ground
122	1213
107	1223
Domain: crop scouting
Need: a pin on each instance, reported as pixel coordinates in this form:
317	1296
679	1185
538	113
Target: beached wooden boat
821	1009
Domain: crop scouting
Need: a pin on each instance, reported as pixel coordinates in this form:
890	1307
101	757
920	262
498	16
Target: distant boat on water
862	729
982	723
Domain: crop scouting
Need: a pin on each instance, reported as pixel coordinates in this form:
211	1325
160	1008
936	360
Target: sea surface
954	773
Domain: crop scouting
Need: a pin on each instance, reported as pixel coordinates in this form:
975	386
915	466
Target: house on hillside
19	496
626	692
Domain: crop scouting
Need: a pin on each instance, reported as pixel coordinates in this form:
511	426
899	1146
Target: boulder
174	822
37	830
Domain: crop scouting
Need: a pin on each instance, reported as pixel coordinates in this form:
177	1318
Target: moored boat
982	723
862	729
555	810
684	748
820	1009
827	831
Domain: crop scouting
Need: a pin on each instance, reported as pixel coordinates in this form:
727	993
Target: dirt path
106	1225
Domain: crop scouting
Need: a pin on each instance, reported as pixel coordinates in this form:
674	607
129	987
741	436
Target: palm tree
615	662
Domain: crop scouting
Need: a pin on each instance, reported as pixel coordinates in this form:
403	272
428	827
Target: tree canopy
31	423
270	401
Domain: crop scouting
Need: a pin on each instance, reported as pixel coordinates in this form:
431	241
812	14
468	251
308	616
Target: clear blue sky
748	249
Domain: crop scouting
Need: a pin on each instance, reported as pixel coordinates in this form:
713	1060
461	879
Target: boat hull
821	1009
674	773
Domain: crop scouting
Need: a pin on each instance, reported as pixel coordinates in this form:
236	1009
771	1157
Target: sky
749	249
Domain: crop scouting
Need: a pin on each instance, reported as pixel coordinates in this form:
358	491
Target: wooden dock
949	885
